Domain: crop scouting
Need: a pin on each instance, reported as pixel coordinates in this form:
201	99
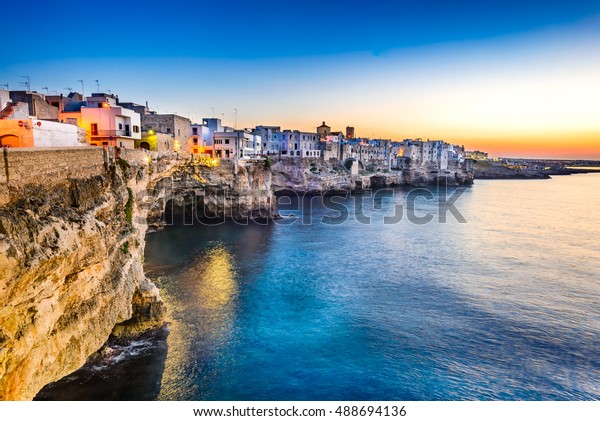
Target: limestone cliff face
318	177
310	176
229	190
427	174
71	255
70	270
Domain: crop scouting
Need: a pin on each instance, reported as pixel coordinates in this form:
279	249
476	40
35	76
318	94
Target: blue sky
266	28
391	68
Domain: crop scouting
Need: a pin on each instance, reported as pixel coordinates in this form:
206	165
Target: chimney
60	104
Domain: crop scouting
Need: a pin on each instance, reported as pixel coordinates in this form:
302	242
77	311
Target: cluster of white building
431	151
102	120
214	139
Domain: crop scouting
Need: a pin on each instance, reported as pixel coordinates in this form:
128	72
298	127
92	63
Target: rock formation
319	177
71	257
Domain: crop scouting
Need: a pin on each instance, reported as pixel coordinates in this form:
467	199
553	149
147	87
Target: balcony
109	133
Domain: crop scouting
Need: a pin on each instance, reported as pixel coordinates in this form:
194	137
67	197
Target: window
178	132
195	130
120	126
227	141
168	130
94	129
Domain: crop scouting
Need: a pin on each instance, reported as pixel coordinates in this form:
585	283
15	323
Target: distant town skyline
511	79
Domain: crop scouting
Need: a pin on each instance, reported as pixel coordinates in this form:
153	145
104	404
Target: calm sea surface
504	306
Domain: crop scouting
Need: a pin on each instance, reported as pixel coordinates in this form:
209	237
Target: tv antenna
235	121
82	87
27	83
5	85
97	85
69	89
46	88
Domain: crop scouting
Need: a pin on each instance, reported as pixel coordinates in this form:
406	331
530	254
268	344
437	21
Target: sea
487	292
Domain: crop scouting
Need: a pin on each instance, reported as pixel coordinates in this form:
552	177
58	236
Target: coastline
119	201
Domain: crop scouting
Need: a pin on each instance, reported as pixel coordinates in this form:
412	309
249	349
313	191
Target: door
10	141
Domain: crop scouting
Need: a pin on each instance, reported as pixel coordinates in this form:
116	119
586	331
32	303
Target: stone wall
50	164
19	167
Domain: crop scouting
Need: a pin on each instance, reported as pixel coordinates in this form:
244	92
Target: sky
509	77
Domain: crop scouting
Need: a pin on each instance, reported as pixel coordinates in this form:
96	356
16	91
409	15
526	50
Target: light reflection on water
210	289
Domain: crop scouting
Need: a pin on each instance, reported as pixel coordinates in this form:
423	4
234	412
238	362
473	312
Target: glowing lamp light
106	105
147	159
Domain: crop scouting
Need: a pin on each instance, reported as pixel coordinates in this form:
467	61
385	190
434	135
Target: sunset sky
509	77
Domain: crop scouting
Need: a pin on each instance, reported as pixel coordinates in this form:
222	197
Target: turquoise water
505	306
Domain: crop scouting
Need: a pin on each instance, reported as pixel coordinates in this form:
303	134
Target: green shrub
129	207
124	165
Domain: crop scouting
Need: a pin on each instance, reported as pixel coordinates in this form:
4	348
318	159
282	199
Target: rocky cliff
319	177
429	173
71	254
71	270
229	190
310	175
485	170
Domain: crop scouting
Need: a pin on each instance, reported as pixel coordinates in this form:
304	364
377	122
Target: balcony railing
109	133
